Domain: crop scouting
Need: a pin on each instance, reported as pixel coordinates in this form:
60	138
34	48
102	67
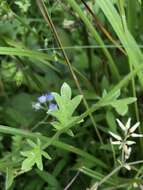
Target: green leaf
66	91
114	96
66	108
121	106
122	109
28	163
9	177
75	102
49	179
34	156
111	121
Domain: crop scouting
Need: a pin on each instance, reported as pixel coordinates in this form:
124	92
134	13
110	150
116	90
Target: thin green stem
136	176
113	151
52	139
106	177
115	171
135	162
39	123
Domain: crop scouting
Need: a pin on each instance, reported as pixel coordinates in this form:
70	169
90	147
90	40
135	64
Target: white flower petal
121	125
128	124
130	142
129	150
115	136
135	185
127	167
125	148
128	153
136	135
116	142
134	127
120	147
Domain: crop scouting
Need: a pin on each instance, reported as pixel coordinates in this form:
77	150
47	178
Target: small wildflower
49	97
36	106
68	23
46	97
123	142
52	107
42	99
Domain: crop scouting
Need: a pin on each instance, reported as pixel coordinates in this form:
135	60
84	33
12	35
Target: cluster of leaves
66	108
36	151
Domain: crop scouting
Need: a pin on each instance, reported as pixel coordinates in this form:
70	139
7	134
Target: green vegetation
71	85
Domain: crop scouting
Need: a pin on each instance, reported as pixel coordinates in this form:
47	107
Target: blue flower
52	107
45	97
49	96
42	99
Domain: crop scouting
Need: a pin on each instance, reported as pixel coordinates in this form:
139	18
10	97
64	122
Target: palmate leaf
34	156
66	107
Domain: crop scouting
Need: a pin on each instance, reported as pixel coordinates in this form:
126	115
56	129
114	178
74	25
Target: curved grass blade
56	143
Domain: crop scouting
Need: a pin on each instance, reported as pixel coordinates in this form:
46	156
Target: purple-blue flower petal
49	97
42	99
52	106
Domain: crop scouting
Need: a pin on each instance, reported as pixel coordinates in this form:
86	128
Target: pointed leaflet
9	178
121	106
75	102
66	91
58	100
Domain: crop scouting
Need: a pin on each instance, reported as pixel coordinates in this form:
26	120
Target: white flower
123	142
36	106
127	129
